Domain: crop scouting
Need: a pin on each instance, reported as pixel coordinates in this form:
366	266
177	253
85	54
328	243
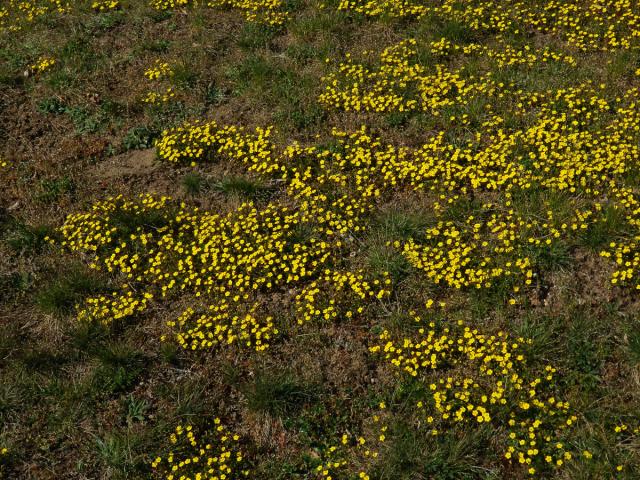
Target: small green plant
401	223
254	36
14	283
397	119
157	46
382	258
51	105
139	138
214	95
52	190
135	410
600	233
184	76
128	222
83	121
105	22
115	452
454	455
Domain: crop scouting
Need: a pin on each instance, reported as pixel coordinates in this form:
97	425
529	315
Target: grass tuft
278	394
62	294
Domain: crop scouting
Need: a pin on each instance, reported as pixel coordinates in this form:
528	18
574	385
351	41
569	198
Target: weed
382	258
135	410
51	105
52	190
139	138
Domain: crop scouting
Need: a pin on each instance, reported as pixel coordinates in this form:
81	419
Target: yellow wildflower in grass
502	54
169	4
43	64
105	5
159	73
577	147
155	98
475	378
402	83
353	455
225	261
268	12
214	453
587	26
578	143
489	246
15	13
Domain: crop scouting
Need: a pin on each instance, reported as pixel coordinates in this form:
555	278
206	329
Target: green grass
119	368
452	456
63	292
278	394
27	239
193	183
241	186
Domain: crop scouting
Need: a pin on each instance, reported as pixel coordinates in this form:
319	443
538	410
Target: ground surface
303	240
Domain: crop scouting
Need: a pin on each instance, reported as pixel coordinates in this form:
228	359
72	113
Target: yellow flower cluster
502	53
157	73
269	12
43	64
155	98
216	455
402	83
351	456
200	141
482	250
580	144
354	87
341	294
575	141
626	251
169	4
475	378
15	13
106	309
225	262
105	5
593	25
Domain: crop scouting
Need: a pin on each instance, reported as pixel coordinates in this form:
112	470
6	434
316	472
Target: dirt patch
136	170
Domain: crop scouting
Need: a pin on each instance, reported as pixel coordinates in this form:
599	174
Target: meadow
337	240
